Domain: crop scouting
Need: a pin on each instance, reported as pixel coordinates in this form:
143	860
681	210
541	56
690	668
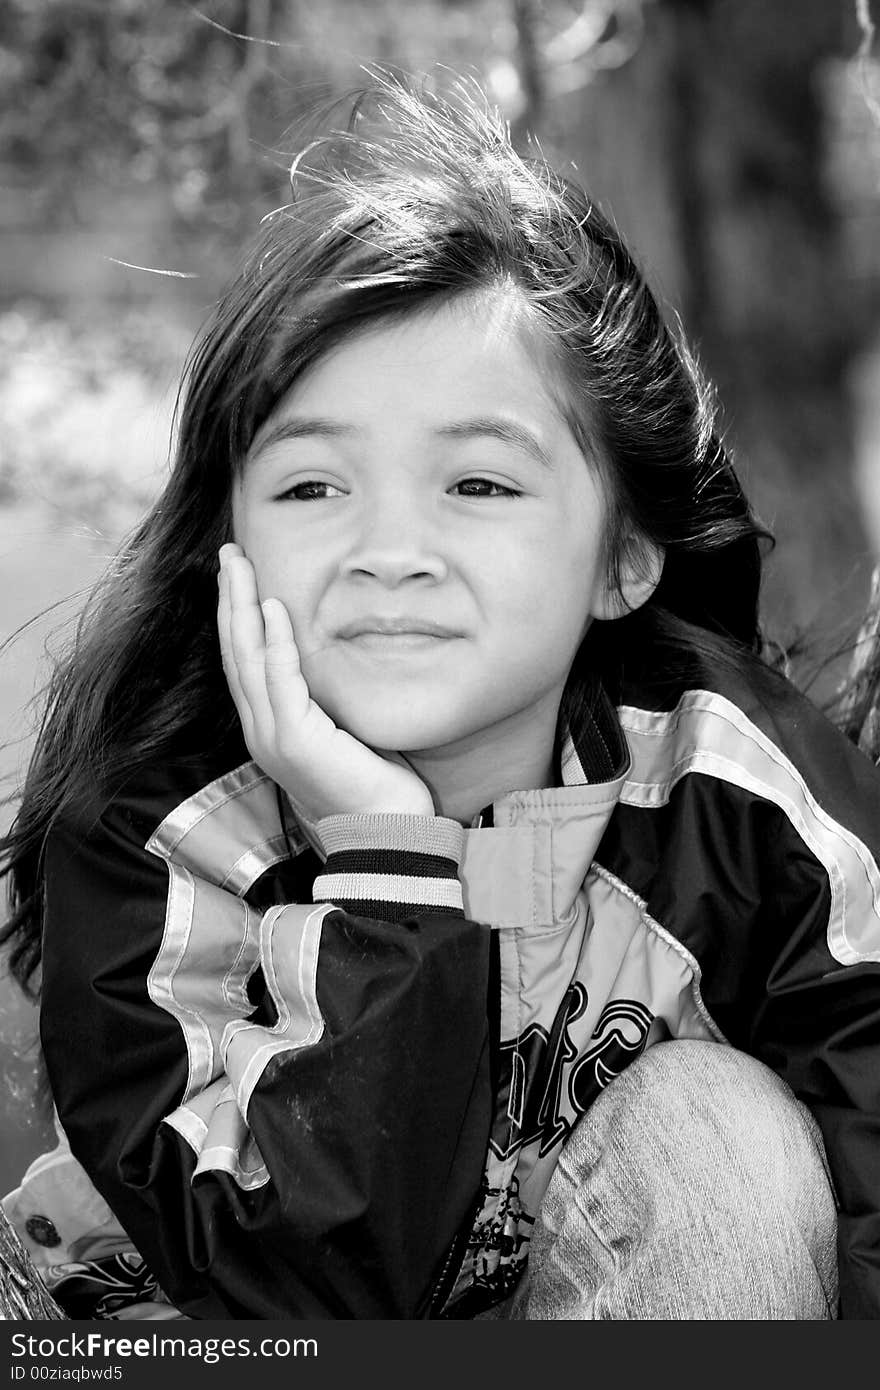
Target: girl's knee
698	1158
714	1114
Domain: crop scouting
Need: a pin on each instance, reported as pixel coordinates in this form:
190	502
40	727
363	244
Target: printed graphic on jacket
549	1084
624	984
558	1085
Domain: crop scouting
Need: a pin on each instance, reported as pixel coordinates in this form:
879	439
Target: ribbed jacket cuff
391	866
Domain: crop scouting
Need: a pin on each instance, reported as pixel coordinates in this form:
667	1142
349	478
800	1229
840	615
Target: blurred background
736	143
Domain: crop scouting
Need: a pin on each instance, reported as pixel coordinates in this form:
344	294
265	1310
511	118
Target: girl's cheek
299	585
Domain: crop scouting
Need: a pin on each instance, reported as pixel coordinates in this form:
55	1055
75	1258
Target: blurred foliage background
736	143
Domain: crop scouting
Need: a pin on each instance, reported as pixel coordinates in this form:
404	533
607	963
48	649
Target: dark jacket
327	1071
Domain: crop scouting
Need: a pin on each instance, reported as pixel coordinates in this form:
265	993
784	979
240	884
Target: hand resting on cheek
323	769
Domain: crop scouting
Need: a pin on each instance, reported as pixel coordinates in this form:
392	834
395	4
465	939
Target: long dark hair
417	198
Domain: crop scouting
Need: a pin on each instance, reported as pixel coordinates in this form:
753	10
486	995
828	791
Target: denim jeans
696	1187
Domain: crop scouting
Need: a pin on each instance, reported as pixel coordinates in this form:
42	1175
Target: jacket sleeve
818	1022
288	1110
823	1038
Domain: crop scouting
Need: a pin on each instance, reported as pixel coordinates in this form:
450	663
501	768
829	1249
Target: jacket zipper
452	1263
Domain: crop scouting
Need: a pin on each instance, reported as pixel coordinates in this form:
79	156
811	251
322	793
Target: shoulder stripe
206	832
290	965
219	1137
216	844
255	861
210	942
708	733
209	949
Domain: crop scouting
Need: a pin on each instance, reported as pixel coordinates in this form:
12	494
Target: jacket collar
527	854
525	861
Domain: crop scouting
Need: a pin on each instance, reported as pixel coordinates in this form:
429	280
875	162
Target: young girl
462	883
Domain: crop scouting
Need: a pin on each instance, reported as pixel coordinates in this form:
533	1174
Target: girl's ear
639	571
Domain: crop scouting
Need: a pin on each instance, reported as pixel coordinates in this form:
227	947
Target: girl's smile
420	506
396	643
401	633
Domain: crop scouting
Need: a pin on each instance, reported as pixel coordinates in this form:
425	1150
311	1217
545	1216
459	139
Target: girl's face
420	506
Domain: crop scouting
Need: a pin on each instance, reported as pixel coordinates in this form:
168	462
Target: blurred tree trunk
534	91
708	147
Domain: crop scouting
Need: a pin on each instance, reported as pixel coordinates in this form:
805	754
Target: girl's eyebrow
495	428
482	427
304	427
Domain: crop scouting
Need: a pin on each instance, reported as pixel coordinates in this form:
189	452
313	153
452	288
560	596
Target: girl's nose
396	543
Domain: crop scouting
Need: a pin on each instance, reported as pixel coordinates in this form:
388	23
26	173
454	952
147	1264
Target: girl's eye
312	490
485	487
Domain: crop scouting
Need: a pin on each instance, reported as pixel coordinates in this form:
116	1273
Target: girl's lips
395	627
398	642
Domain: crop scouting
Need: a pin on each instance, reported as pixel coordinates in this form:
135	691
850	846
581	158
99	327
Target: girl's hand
323	770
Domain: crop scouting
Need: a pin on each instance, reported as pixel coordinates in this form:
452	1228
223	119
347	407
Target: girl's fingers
224	632
261	659
285	683
247	642
282	653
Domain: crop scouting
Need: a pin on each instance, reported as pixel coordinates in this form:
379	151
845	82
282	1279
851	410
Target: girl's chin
404	734
398	739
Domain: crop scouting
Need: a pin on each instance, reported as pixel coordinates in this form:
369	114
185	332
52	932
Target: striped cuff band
391	866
